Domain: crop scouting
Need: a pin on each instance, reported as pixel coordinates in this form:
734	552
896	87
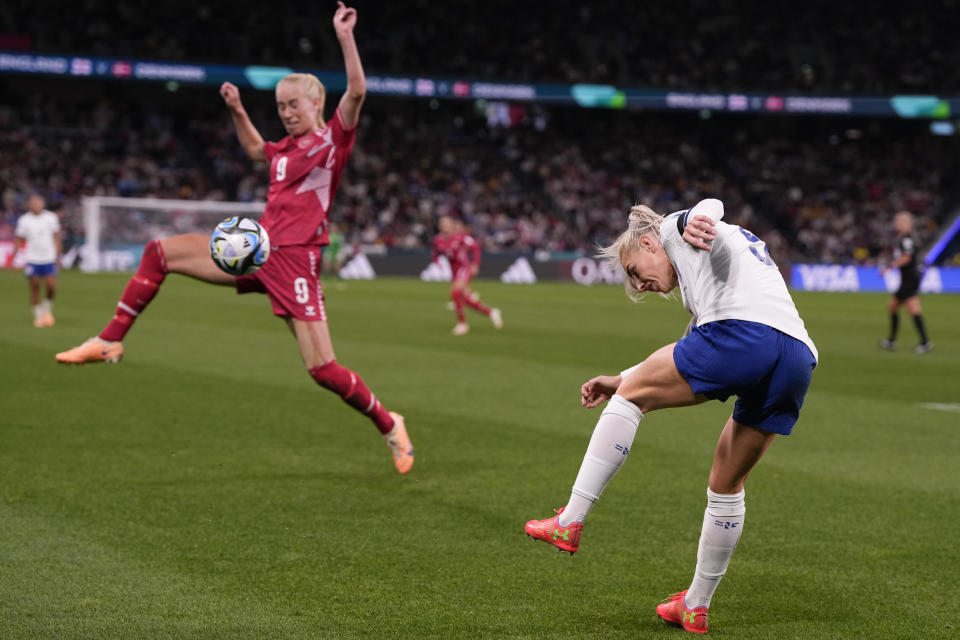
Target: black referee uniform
909	286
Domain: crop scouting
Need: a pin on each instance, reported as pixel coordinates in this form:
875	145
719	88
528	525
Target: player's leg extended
186	254
33	283
456	294
472	299
739	449
655	384
316	349
50	284
894	308
913	307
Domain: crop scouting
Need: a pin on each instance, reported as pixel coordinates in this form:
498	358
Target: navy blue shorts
766	369
40	270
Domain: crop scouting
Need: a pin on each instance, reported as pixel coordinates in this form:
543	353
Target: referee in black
905	258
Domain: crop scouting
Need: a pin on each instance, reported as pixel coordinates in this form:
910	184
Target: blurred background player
463	253
905	259
335	252
745	339
39	230
305	169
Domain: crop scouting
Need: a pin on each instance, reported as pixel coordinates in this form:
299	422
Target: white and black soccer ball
239	246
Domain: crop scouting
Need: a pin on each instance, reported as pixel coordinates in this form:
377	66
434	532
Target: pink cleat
673	610
549	530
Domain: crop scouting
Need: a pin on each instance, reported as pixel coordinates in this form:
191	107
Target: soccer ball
239	246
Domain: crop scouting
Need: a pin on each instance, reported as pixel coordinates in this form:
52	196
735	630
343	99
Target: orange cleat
93	350
673	610
549	530
47	320
400	445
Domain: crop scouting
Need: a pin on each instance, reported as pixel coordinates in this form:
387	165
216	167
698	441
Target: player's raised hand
231	96
596	391
699	232
344	19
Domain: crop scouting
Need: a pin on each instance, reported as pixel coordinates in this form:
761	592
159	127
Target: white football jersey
735	280
38	230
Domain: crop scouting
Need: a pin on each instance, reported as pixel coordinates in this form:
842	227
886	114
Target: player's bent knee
642	395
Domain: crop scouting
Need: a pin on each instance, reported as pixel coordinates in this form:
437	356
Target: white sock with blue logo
722	524
606	453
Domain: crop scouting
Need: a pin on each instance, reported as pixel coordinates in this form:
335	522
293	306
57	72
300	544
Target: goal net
117	229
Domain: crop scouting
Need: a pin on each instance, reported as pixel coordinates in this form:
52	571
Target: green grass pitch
206	488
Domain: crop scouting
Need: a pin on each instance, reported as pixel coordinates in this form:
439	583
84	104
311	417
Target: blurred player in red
305	169
463	253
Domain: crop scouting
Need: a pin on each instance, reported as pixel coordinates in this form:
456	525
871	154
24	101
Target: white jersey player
38	237
718	285
745	339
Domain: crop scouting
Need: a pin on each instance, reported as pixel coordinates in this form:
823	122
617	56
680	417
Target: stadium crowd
542	179
558	179
740	45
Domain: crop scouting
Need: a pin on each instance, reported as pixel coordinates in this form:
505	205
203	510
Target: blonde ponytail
642	221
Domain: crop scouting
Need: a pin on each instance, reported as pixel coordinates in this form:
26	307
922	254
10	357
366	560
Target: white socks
40	310
722	524
606	453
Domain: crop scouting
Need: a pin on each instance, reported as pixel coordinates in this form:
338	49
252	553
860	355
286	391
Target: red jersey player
463	253
305	168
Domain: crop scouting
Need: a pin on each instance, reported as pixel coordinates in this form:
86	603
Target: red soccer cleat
673	611
549	530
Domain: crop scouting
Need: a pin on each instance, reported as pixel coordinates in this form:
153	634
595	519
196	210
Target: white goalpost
116	228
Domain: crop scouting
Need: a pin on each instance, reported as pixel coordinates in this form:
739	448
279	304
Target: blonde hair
642	221
312	88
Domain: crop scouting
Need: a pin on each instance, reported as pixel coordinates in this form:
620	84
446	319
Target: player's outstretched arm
247	134
344	20
596	391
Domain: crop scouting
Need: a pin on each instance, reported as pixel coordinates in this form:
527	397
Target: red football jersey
460	248
304	174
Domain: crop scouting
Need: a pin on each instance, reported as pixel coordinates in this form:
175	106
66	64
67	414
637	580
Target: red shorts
290	278
462	273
